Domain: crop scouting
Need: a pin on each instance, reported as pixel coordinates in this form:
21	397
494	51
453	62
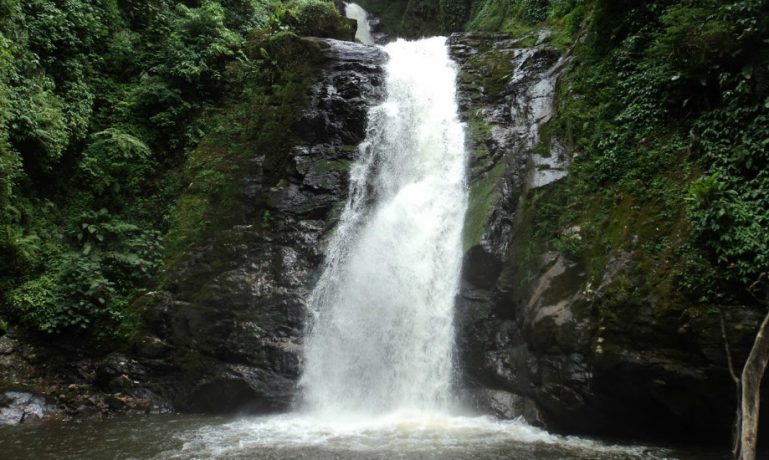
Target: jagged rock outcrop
536	336
506	92
235	307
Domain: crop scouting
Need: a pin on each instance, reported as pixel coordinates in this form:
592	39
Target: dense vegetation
103	105
417	18
667	107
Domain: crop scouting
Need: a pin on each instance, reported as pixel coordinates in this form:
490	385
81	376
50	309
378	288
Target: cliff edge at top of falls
567	343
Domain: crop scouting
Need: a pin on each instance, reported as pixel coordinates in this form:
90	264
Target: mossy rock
480	205
495	68
250	125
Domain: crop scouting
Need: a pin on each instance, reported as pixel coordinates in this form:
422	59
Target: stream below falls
165	437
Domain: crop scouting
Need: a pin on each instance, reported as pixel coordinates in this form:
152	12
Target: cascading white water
378	354
381	337
363	32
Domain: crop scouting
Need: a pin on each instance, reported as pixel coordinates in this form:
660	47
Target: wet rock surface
531	327
506	94
225	333
234	313
41	382
21	407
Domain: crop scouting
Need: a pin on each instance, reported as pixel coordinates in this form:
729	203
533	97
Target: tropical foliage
101	105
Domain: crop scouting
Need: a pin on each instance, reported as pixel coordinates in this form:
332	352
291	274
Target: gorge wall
540	334
235	306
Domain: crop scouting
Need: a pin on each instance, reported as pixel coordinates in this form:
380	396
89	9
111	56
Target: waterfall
363	32
381	333
378	349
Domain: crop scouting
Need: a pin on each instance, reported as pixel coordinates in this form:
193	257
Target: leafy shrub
244	16
128	253
89	290
535	10
37	125
118	163
10	160
199	47
695	37
318	18
161	110
38	303
732	227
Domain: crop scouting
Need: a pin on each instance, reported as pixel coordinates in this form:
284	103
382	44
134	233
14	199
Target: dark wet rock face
506	93
538	339
234	312
42	382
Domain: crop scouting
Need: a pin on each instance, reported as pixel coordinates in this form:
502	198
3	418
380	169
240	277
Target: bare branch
737	427
727	349
753	287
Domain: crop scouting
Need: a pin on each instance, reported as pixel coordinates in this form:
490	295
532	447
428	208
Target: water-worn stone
505	405
22	407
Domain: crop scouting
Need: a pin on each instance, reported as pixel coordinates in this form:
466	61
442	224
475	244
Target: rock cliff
537	336
234	311
224	332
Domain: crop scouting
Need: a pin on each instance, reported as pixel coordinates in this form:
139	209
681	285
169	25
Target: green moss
252	124
520	18
567	23
495	68
526	249
479	207
478	129
188	224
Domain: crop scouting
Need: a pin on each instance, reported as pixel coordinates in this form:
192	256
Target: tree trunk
752	374
737	388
